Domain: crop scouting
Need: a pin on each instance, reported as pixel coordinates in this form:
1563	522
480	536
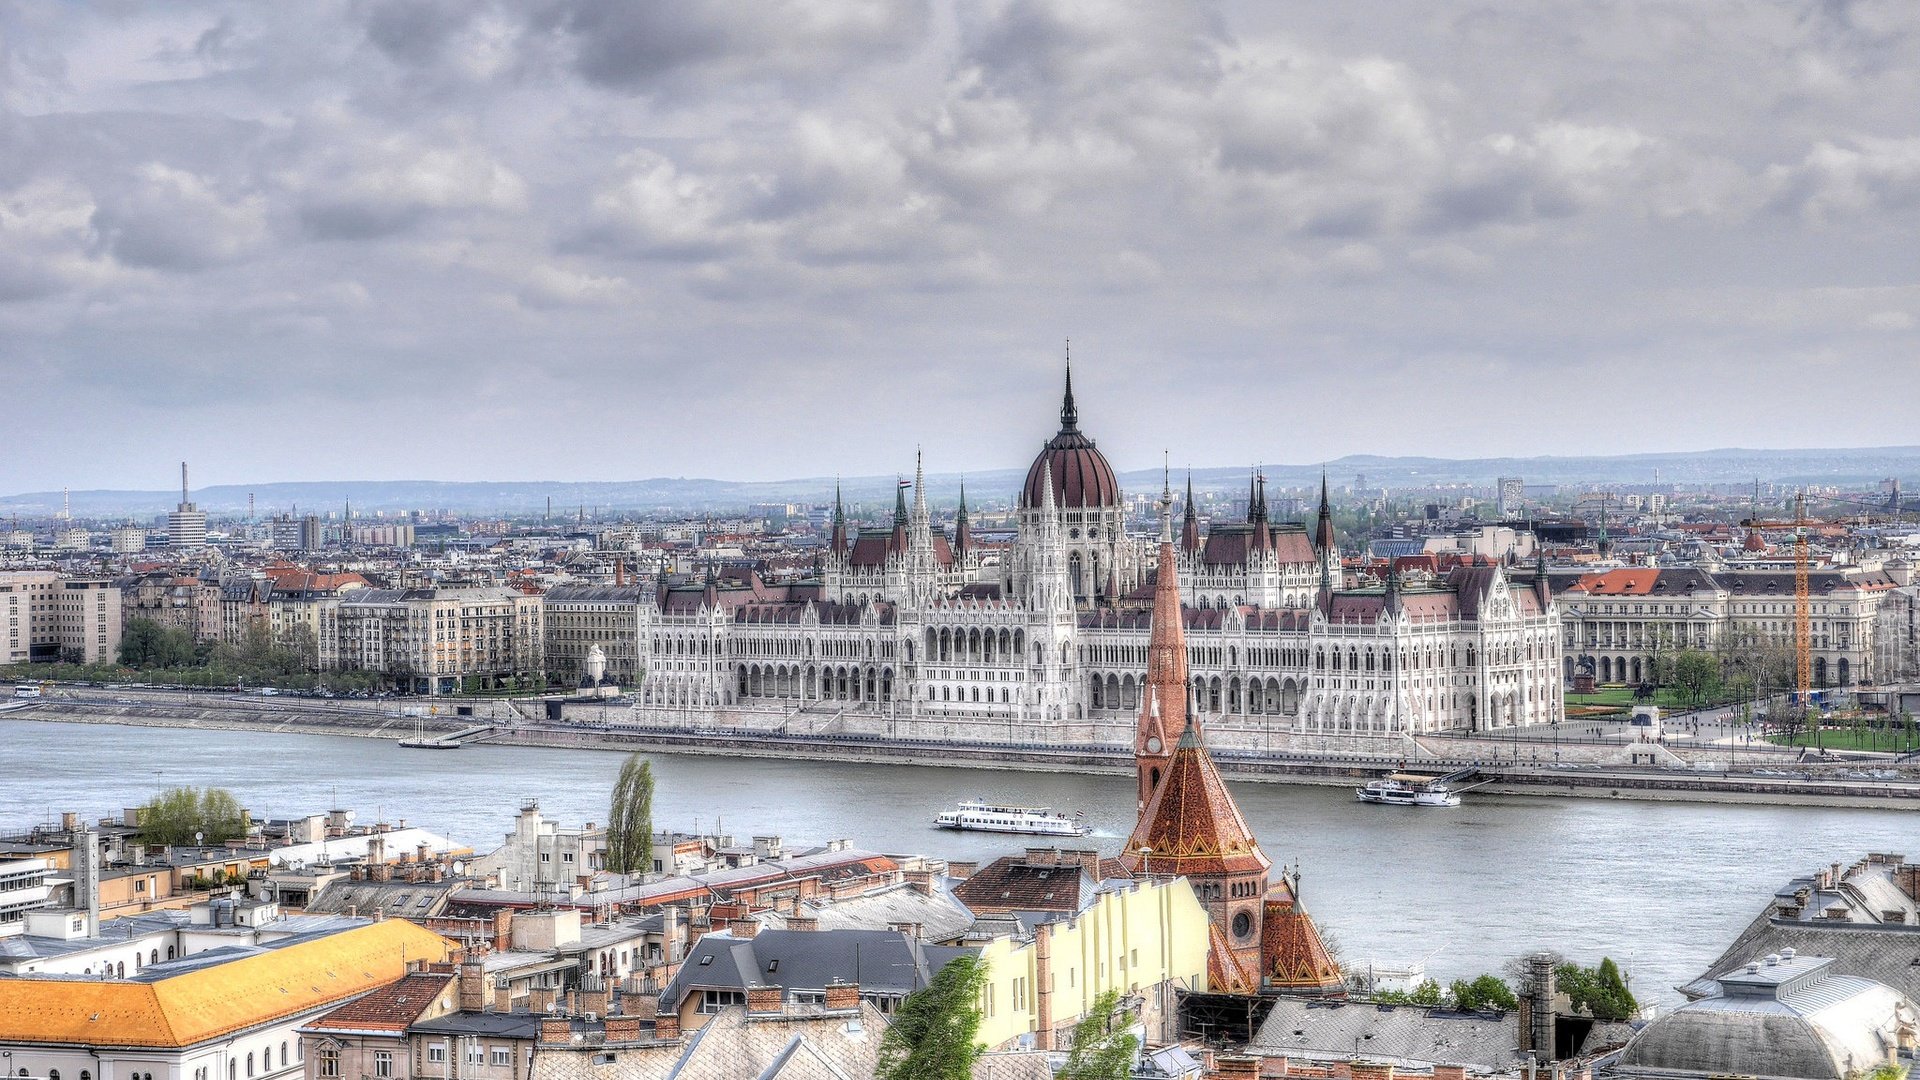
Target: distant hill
1854	468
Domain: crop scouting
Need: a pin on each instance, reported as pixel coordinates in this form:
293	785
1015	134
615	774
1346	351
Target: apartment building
578	617
432	640
47	616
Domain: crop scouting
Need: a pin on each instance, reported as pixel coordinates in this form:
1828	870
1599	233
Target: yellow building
201	1018
1140	938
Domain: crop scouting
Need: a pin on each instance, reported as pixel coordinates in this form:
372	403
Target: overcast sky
573	240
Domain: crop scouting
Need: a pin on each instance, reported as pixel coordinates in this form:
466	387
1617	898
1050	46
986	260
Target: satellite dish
459	866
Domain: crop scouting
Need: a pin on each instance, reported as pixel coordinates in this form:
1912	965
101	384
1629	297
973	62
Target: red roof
1192	825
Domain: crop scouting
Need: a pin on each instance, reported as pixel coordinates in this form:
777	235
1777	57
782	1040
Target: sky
573	240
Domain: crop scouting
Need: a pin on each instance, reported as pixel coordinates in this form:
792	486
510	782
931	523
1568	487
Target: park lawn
1668	698
1881	740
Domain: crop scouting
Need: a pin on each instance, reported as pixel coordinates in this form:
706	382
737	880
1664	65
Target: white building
910	633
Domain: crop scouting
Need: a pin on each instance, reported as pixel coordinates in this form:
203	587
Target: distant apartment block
46	616
433	640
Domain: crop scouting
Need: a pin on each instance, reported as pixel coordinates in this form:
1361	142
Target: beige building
184	602
1620	621
578	617
47	616
431	640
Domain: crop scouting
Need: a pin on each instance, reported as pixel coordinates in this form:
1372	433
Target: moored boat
1409	789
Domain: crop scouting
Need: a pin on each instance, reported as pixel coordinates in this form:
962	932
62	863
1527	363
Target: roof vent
1787	954
1773	959
1753	967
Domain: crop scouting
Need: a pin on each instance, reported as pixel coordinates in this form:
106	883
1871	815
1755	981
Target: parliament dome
1082	479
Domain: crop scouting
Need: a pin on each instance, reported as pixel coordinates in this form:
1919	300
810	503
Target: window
382	1063
283	1055
249	1064
502	1055
437	1052
329	1062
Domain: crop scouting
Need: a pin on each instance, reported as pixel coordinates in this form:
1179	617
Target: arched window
249	1064
53	1074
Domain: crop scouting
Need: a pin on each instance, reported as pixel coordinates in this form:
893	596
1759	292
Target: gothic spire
962	532
899	503
1069	414
1190	521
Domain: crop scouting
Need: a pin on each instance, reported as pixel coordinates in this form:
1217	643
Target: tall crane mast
1802	605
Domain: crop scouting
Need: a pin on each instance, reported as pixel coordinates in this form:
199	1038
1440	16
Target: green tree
630	819
1697	674
935	1031
1427	993
1601	991
1485	992
1102	1048
176	814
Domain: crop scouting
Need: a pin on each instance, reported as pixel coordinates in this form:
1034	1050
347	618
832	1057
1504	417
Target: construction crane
1802	604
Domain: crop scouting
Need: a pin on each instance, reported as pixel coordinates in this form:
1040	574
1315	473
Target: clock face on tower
1153	744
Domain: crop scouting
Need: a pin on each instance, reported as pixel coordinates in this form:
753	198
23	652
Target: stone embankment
1346	766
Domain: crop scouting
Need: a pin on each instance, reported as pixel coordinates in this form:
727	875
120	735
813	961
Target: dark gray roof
505	1025
882	962
1401	1034
599	594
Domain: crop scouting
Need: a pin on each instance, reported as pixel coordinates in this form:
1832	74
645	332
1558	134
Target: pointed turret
1392	604
1257	515
837	540
962	532
1541	586
897	544
1323	537
1190	522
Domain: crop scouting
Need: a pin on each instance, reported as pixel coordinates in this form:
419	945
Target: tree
1601	991
174	816
935	1031
1427	993
1101	1051
1697	674
630	819
1485	992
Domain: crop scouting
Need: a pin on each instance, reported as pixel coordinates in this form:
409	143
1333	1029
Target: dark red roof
1081	475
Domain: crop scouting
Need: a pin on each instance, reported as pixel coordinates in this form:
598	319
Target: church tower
1163	704
1324	543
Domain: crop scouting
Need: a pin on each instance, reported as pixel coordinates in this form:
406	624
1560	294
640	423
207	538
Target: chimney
1236	1067
1043	986
908	929
843	995
802	922
70	822
1540	993
596	997
556	1032
666	1026
473	987
743	928
1371	1070
623	1029
921	881
1449	1072
540	999
765	999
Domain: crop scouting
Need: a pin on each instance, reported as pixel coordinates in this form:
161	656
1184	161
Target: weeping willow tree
630	819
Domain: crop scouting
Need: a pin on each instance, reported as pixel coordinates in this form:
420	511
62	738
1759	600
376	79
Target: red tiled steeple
1191	824
1163	704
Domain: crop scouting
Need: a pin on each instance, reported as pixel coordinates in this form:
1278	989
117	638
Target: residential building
435	640
578	617
47	616
225	1002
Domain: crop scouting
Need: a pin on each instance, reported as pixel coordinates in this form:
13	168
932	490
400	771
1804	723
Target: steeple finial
1069	414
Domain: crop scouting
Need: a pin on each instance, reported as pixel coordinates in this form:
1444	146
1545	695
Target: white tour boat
977	816
1409	789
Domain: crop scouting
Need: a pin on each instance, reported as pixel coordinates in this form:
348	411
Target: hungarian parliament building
910	632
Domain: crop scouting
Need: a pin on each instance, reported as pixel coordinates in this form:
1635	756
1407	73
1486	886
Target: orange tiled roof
216	1000
1617	583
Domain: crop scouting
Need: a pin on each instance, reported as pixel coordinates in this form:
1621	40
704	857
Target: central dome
1081	476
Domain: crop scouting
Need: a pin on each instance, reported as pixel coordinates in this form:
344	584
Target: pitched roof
1192	825
392	1007
1018	883
206	995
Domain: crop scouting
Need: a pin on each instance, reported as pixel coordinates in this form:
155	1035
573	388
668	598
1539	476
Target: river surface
1660	887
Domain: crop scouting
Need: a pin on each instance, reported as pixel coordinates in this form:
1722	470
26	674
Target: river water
1660	887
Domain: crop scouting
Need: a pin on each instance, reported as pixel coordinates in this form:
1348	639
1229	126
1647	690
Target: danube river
1661	887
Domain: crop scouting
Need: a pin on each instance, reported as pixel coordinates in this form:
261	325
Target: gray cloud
825	232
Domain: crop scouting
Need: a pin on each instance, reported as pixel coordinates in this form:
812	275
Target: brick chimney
474	995
920	880
1371	1070
553	1032
540	999
802	922
622	1029
596	997
1236	1067
843	995
666	1026
743	928
765	999
1449	1072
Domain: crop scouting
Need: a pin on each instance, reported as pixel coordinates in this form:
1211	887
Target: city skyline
655	243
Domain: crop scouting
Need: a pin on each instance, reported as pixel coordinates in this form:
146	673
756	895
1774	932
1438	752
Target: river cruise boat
978	816
1409	789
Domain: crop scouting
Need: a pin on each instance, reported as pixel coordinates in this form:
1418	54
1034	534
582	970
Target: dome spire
1069	414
